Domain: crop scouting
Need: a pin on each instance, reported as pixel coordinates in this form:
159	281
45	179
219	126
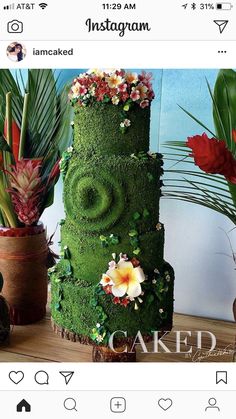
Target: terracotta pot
23	264
4	321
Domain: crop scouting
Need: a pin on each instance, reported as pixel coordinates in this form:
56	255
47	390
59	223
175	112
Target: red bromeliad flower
26	190
212	156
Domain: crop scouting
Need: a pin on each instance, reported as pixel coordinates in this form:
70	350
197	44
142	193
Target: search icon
70	404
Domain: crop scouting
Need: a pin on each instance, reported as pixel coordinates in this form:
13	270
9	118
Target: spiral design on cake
93	201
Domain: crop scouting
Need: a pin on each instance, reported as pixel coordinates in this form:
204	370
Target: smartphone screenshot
117	209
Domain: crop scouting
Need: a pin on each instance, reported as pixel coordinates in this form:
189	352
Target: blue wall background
195	243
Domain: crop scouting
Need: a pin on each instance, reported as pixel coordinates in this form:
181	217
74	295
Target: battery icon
224	6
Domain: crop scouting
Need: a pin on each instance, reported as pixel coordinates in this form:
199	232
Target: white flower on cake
115	100
126	279
114	81
131	78
125	123
97	71
106	280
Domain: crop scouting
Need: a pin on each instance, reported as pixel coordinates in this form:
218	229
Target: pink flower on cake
135	95
126	279
144	103
125	302
78	90
146	78
142	89
108	289
122	88
116	300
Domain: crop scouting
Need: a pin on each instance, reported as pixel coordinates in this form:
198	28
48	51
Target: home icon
23	406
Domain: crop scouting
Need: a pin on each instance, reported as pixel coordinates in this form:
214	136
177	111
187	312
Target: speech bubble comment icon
42	378
221	377
70	404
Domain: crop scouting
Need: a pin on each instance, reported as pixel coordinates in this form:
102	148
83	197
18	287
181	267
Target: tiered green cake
111	196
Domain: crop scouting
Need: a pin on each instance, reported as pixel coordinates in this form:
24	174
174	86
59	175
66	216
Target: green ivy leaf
137	251
146	213
136	216
134	242
150	177
133	233
114	240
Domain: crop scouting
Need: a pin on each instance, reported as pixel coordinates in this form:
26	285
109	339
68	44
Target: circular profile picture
16	51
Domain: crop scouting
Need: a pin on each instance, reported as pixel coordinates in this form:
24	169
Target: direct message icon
221	377
67	375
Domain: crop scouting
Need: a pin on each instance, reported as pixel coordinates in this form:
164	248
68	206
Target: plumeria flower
70	149
97	72
161	311
131	78
126	279
114	81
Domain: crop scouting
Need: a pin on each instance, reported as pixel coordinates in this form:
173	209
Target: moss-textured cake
112	274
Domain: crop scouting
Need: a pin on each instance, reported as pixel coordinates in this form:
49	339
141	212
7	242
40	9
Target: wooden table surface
38	343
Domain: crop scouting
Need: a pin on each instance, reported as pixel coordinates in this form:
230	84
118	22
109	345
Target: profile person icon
16	52
212	405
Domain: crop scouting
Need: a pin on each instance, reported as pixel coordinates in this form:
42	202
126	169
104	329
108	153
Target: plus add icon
118	405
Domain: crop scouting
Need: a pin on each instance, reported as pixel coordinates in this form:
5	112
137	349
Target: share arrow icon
67	375
222	24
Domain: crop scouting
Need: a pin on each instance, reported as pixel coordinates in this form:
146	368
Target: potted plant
4	317
214	185
34	131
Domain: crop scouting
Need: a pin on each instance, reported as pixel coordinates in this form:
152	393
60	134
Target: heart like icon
16	376
165	404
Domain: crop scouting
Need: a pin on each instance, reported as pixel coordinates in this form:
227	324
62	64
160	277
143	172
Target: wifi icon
43	5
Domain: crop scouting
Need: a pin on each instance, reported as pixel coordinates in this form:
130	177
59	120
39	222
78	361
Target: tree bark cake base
105	354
